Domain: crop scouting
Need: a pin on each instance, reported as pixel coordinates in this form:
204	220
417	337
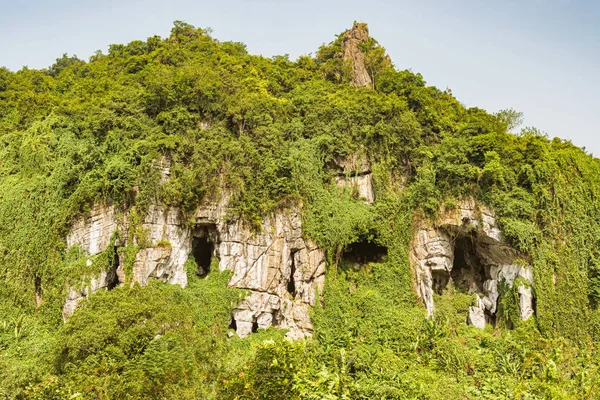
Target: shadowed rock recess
266	263
466	248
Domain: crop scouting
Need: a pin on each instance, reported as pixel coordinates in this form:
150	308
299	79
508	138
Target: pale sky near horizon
541	57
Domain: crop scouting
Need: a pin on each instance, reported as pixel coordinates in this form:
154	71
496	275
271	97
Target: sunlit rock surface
282	270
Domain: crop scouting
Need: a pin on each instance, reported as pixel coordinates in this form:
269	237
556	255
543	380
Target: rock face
104	280
281	269
352	53
477	315
466	247
354	173
92	233
168	248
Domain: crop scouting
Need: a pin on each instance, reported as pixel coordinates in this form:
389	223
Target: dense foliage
81	132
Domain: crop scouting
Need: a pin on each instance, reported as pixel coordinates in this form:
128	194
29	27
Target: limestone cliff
281	269
467	248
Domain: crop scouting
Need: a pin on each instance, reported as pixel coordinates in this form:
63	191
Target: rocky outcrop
166	246
93	232
354	174
282	270
104	280
466	247
476	315
352	53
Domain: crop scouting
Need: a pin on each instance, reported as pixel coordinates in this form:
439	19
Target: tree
62	63
511	118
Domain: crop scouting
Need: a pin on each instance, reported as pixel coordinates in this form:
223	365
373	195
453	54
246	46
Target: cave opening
468	272
363	252
440	280
291	286
254	326
203	248
233	324
112	278
276	318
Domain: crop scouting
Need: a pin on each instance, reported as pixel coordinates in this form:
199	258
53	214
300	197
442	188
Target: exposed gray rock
466	247
477	315
93	232
525	302
282	270
432	252
168	248
354	173
261	310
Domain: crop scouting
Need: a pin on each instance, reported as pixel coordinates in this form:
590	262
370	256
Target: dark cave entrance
468	271
276	318
254	326
233	324
363	252
112	278
291	286
203	247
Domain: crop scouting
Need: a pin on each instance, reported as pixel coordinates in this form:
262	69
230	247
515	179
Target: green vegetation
80	133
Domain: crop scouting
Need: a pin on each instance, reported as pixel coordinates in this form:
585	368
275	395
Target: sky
540	57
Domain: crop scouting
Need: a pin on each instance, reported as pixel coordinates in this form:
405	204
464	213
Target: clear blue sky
541	57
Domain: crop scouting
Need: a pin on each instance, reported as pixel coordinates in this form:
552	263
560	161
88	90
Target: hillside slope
414	213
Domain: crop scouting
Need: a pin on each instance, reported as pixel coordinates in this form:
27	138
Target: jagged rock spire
352	52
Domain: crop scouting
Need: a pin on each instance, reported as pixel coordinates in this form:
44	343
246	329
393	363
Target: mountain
180	219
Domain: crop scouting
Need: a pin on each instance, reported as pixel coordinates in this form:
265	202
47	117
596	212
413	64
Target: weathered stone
525	302
93	233
490	289
468	212
265	263
103	280
485	261
477	315
168	248
362	185
352	53
431	251
283	270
